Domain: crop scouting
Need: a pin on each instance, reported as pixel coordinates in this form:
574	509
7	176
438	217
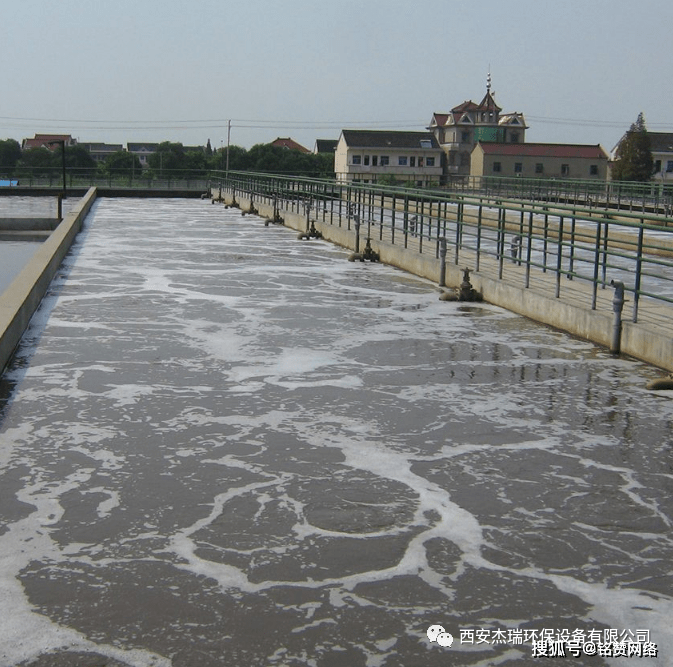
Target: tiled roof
488	103
545	150
44	140
467	105
325	145
387	139
139	147
661	141
286	142
101	147
439	119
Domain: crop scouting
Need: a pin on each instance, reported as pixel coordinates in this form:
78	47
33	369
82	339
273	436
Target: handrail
521	238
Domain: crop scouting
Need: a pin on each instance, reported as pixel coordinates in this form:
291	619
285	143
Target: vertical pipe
419	230
639	269
458	229
442	262
545	243
617	305
529	247
501	240
559	257
383	205
392	222
478	237
605	255
597	262
571	265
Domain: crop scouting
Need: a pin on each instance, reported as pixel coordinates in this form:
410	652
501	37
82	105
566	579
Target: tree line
633	160
171	160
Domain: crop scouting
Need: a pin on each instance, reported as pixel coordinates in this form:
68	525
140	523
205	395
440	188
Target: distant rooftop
545	150
286	142
389	139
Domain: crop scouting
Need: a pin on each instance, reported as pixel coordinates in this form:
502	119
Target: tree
122	163
78	160
38	162
633	158
10	154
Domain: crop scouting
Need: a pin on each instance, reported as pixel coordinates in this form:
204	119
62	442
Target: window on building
497	167
514	137
669	166
357	159
412	161
430	162
385	160
426	143
518	167
465	137
402	160
593	170
539	168
366	160
565	170
657	166
420	161
375	160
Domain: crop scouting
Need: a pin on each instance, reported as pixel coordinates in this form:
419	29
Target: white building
371	156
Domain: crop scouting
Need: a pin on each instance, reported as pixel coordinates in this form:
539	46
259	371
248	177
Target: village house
290	144
48	141
101	151
371	156
143	152
539	160
459	131
661	146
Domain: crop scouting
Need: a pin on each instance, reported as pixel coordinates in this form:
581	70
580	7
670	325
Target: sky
170	70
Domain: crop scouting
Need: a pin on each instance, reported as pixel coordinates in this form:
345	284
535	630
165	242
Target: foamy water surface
224	446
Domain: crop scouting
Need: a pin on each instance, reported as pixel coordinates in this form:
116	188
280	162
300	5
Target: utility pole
62	142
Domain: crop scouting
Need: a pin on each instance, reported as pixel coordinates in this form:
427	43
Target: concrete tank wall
21	299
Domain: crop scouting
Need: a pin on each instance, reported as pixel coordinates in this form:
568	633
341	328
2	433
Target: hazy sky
178	70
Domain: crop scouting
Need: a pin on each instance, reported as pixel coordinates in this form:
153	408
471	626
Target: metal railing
652	197
525	241
52	178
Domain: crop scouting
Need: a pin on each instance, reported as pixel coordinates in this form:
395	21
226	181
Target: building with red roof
539	160
290	144
49	141
460	130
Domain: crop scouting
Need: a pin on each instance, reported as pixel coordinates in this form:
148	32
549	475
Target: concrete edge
22	298
28	224
638	340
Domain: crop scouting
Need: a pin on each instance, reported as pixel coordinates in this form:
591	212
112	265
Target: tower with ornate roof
460	130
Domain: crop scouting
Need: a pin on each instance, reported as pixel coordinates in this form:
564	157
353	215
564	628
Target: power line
243	123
